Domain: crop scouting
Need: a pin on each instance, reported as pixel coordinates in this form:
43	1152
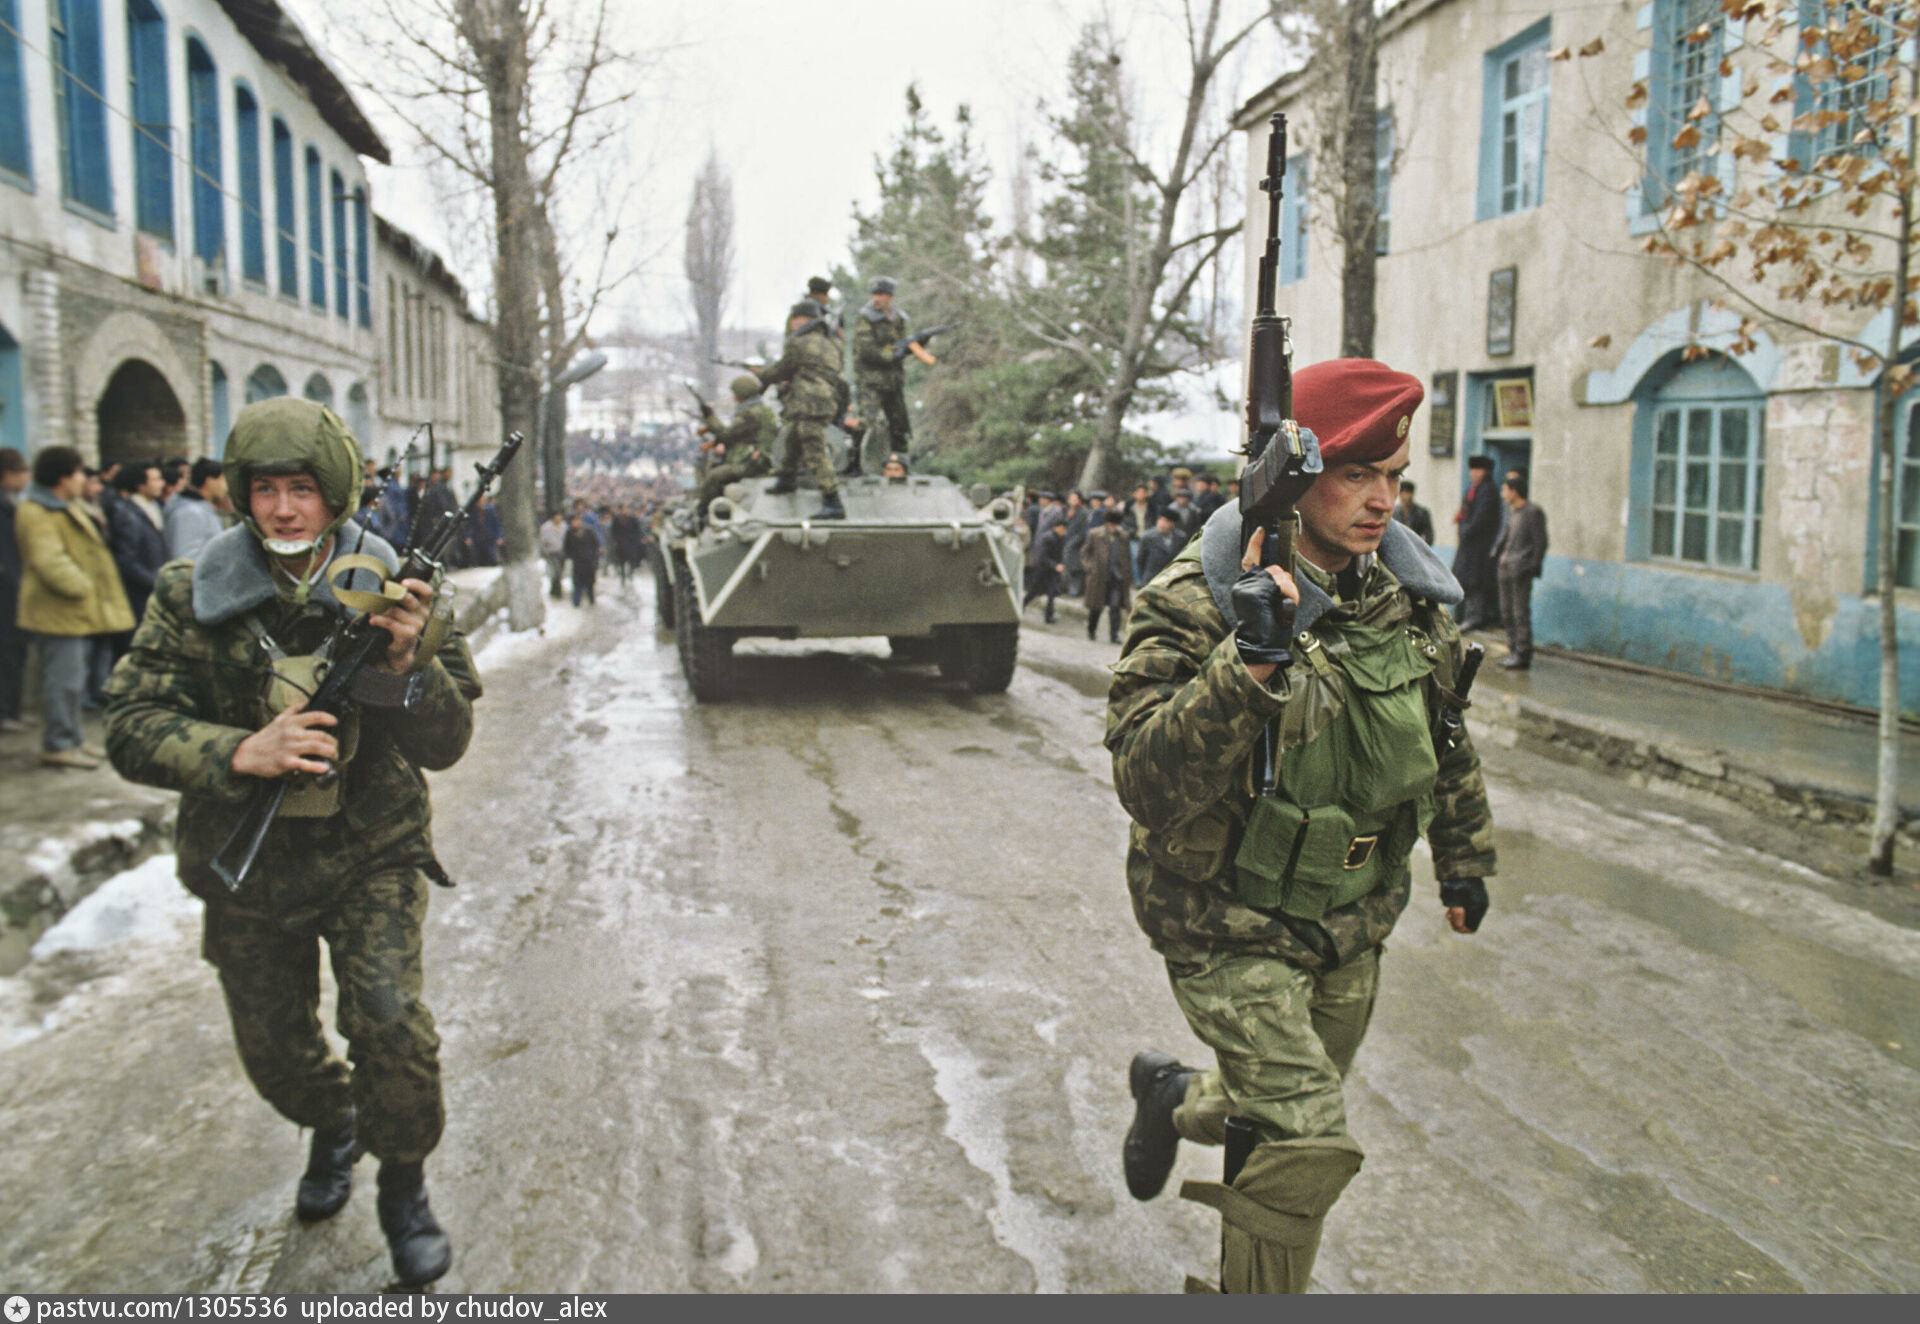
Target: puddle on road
1881	1006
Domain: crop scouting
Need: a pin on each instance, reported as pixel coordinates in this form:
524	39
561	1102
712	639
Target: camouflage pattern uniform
1284	999
190	690
880	381
815	397
748	436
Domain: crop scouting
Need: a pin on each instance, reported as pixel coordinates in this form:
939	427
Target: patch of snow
145	902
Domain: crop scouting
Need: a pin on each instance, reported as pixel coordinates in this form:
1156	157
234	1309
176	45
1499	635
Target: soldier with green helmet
208	703
1269	893
741	447
879	378
813	396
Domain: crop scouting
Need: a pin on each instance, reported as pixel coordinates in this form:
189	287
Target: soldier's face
1345	513
288	507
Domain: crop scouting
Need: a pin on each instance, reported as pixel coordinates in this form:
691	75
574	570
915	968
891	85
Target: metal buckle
1360	850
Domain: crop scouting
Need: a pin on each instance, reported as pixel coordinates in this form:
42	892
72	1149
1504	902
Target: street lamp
553	441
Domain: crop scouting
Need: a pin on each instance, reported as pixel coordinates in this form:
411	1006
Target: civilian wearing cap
1479	524
880	382
1271	910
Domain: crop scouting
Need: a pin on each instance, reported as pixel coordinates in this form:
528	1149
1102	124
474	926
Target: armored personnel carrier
931	565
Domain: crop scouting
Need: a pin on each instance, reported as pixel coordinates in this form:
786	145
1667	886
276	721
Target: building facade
1711	513
438	363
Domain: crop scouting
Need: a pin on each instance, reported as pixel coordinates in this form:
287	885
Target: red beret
1360	409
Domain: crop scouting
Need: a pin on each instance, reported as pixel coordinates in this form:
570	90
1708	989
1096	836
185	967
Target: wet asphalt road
833	988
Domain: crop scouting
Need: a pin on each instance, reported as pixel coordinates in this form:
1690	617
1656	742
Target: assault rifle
706	417
357	646
916	344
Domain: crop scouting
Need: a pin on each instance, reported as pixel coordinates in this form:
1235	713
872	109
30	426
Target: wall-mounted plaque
1440	407
1502	288
1513	403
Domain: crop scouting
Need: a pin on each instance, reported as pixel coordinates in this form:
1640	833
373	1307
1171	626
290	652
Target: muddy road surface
833	988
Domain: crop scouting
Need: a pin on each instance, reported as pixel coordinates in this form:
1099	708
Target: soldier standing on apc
1270	908
815	396
880	377
207	703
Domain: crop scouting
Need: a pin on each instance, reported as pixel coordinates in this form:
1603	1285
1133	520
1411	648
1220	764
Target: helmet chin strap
285	549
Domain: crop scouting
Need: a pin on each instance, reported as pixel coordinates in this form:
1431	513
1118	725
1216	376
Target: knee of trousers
1284	1191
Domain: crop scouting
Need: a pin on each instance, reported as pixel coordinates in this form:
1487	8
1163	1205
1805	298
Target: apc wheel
706	654
983	656
663	594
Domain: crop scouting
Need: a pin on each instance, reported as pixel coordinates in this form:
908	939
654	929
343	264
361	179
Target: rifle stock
360	646
905	344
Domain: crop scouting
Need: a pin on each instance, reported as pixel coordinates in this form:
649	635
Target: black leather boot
421	1251
830	507
781	485
1159	1085
328	1180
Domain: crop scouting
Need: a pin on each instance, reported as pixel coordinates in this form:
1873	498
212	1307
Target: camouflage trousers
883	399
755	464
805	443
271	977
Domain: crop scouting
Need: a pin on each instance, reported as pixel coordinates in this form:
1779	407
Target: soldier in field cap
1270	909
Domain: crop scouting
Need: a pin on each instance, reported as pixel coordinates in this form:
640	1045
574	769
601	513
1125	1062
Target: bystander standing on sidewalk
13	640
583	550
1519	553
192	516
1107	563
136	533
553	546
1412	514
69	592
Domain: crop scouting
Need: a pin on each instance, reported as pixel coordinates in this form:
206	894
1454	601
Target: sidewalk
65	831
1774	755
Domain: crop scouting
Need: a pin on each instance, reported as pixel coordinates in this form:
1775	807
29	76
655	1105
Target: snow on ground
144	905
563	622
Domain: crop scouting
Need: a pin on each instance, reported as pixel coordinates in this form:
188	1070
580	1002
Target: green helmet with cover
745	386
285	435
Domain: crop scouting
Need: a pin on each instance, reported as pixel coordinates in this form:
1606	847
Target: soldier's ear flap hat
1360	409
745	386
286	435
882	285
806	308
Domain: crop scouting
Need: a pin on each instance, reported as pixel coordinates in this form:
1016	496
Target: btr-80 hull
931	566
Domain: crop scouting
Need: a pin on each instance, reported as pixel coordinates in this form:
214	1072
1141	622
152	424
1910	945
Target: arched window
253	219
222	410
265	383
152	119
359	416
285	226
316	231
203	118
16	154
80	102
338	196
362	259
319	390
1700	450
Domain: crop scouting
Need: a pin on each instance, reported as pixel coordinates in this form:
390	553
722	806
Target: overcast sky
798	97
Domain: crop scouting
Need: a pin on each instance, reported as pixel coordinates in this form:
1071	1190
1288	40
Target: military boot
421	1251
1159	1086
830	507
782	485
328	1180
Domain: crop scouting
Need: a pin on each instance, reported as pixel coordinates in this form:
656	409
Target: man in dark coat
1079	523
1107	561
1159	545
136	534
582	549
1049	565
1519	553
1412	514
1479	524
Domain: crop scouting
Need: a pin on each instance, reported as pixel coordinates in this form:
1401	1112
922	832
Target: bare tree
708	262
515	100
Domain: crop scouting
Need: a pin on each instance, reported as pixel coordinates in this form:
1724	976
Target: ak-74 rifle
916	344
359	644
706	417
1282	459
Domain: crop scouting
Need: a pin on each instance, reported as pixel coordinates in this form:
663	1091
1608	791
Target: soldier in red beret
1270	906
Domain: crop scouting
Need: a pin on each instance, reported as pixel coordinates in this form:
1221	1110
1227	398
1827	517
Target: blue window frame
152	119
1689	41
316	231
285	224
80	104
265	383
1513	124
1382	177
13	396
1706	468
1293	220
203	128
253	220
362	259
1865	69
338	196
16	152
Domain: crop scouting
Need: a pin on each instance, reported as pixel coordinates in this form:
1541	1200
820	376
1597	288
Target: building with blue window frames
147	157
1710	492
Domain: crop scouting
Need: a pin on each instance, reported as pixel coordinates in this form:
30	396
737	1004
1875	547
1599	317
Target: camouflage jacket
873	341
1184	718
752	426
191	689
812	363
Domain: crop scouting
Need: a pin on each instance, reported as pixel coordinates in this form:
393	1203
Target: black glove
1265	617
1470	894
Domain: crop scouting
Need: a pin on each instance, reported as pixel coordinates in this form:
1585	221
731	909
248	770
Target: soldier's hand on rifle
1264	600
1466	902
294	741
404	620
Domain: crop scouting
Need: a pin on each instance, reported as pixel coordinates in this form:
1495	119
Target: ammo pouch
292	680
